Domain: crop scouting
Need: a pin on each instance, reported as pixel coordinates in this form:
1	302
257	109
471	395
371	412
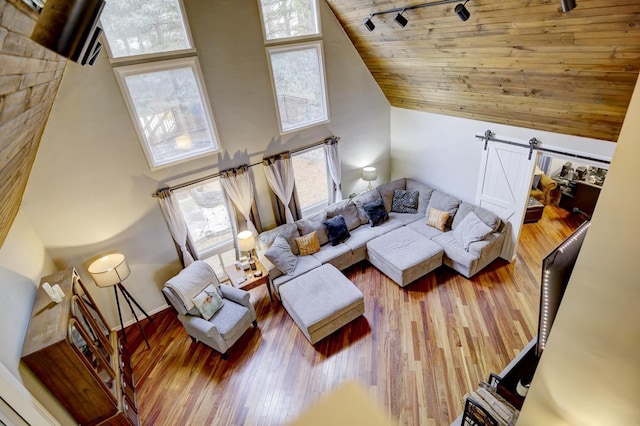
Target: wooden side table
246	280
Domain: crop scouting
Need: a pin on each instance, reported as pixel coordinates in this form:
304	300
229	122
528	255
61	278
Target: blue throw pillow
376	212
336	229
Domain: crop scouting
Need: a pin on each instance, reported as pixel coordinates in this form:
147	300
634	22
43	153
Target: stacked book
503	413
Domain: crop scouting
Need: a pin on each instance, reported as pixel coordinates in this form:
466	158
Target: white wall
589	373
443	150
23	260
90	188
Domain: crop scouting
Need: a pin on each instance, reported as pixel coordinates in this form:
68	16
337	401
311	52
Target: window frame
155	55
122	72
220	248
320	206
291	39
318	45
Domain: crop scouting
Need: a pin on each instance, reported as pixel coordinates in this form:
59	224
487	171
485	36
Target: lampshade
109	270
369	174
246	241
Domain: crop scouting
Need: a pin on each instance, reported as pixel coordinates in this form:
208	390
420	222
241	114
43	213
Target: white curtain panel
238	186
333	160
176	223
279	174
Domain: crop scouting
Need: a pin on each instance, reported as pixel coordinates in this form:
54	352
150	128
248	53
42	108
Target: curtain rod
218	174
534	144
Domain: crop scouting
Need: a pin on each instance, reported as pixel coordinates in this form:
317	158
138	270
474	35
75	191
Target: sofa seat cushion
454	250
421	227
404	255
339	256
358	242
405	218
322	301
305	264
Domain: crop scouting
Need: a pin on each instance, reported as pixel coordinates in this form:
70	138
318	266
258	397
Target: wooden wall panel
521	63
29	80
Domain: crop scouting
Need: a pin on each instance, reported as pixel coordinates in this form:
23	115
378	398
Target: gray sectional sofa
480	249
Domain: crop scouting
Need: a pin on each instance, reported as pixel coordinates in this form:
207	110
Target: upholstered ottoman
321	301
404	255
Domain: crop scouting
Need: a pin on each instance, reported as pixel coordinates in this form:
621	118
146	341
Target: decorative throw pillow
208	302
405	201
470	230
376	212
308	244
336	230
281	256
437	218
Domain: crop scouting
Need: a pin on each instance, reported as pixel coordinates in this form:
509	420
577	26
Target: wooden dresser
70	348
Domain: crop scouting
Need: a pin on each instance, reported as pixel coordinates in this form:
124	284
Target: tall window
297	70
289	18
312	187
171	112
137	28
298	80
165	96
207	215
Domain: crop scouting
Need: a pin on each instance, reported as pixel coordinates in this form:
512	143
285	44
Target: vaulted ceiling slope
521	63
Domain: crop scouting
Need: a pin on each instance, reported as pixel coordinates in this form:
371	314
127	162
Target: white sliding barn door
506	174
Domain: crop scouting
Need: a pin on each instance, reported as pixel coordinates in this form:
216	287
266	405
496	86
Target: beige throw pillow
308	244
437	218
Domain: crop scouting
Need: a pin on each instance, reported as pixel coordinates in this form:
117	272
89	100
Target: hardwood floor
416	351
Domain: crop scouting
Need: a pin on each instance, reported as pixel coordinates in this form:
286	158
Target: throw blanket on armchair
191	281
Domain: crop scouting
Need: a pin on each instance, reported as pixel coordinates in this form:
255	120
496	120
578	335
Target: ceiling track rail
534	144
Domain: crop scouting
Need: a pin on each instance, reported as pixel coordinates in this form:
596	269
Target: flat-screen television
556	271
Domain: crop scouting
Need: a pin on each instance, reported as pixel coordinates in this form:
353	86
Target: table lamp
109	271
369	174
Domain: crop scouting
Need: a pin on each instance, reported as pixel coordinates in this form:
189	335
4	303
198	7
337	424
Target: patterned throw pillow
208	302
437	218
337	230
376	212
308	244
405	201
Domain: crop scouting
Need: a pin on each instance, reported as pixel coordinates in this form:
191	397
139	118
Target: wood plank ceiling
521	63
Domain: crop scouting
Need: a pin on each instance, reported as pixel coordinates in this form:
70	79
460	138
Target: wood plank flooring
416	350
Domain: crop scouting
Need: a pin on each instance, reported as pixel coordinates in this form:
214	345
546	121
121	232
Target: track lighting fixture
402	20
462	11
368	23
568	5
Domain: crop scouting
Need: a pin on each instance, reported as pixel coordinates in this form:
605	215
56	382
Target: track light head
568	5
401	20
368	23
462	11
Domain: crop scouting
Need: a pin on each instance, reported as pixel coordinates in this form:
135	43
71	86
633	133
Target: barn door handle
487	135
533	144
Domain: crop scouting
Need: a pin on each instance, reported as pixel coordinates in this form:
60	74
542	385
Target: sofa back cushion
361	200
288	231
489	218
386	191
444	202
424	191
314	223
348	210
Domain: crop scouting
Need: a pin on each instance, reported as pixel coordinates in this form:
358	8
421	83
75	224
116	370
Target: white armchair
227	325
